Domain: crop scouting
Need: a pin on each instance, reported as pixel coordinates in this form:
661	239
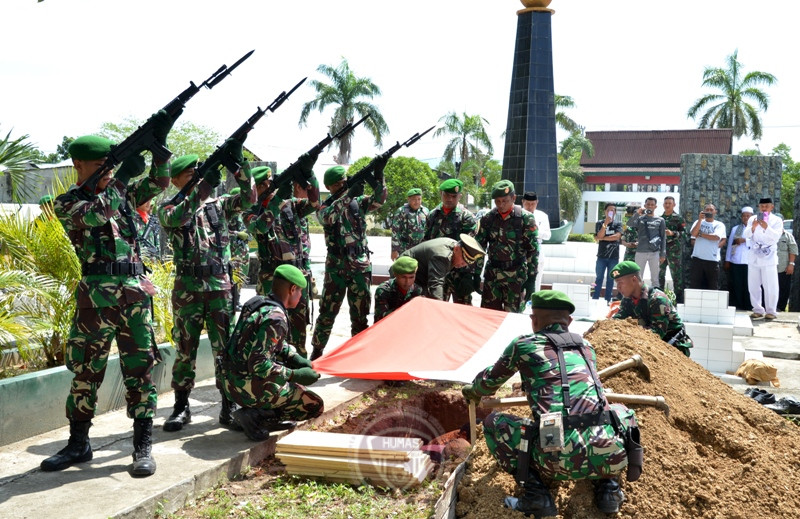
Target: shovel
633	362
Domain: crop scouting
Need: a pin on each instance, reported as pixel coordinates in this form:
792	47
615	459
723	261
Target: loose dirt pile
718	455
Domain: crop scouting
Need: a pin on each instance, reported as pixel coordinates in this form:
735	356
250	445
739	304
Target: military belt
113	268
297	262
201	271
354	250
506	265
583	421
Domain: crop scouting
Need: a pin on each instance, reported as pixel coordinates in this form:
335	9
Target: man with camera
707	235
651	248
763	230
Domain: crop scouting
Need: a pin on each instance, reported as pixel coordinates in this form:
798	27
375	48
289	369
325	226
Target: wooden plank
363	465
357	477
326	451
347	443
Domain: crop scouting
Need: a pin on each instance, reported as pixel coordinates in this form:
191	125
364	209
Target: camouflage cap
291	274
624	268
552	300
404	265
470	248
334	175
260	174
451	185
46	199
179	165
90	147
236	190
414	191
502	188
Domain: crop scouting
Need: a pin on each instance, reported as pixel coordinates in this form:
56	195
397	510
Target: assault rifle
364	173
144	139
219	157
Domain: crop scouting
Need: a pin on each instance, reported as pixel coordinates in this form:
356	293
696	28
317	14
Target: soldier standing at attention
261	372
675	235
650	306
510	238
347	265
630	236
240	251
201	296
449	220
408	223
114	298
149	232
394	293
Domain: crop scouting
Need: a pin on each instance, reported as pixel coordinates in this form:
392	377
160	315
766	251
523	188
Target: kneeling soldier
261	372
394	293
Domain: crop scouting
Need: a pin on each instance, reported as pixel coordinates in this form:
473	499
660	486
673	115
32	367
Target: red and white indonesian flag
427	339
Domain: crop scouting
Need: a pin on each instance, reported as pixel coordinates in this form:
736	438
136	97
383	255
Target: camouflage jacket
388	298
629	235
345	226
149	235
458	221
240	248
676	224
199	235
511	243
280	231
408	227
655	312
100	233
435	261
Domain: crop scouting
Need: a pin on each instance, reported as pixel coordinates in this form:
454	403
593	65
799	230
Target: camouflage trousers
673	261
455	279
604	459
299	316
292	401
630	254
87	351
194	311
502	289
339	280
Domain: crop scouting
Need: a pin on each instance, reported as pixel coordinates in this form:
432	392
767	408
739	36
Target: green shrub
377	231
586	238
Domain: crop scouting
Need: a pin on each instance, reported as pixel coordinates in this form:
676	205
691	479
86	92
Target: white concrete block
720	366
708	296
721	332
691	294
697	330
753	354
720	344
737	357
700	342
708	318
742	325
720	355
722	301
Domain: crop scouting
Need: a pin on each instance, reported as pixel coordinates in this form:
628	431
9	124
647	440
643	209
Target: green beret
291	274
414	191
179	165
404	265
260	174
451	185
471	250
502	188
90	147
552	300
46	199
236	191
624	268
334	175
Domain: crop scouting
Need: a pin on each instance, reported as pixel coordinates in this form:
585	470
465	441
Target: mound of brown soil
718	455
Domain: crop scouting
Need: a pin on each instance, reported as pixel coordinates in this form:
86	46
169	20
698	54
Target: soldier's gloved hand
162	124
243	236
285	191
234	150
131	167
213	176
306	163
470	393
312	193
304	376
529	286
476	281
380	165
356	190
298	361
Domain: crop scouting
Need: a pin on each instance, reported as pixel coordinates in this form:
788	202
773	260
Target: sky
68	66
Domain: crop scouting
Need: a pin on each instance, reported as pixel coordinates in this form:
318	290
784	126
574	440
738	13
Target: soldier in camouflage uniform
347	265
394	293
114	298
594	432
280	228
510	238
240	251
438	257
408	223
675	236
630	236
149	232
201	296
261	371
448	220
650	306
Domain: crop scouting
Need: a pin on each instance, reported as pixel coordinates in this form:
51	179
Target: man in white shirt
529	203
707	235
736	263
763	232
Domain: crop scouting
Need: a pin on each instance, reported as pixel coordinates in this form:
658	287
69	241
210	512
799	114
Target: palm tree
14	155
469	138
563	120
345	93
730	109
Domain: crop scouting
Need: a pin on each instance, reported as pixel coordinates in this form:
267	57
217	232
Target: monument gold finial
535	5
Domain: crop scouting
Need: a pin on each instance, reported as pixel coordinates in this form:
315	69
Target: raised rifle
364	173
144	139
219	157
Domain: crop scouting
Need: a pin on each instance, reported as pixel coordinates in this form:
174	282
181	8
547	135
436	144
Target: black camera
703	215
648	211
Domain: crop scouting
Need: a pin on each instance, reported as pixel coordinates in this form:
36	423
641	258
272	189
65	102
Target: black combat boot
181	414
315	354
226	414
259	423
77	450
536	500
608	496
143	462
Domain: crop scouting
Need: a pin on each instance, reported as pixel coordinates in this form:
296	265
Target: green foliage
584	238
729	108
184	138
468	137
562	119
14	156
163	278
791	175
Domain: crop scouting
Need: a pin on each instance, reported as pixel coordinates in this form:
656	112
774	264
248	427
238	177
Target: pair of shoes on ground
785	405
756	316
762	396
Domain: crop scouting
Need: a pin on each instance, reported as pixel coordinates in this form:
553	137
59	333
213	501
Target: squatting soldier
509	236
408	223
149	232
279	230
201	296
394	293
438	257
262	373
114	298
574	432
675	236
347	265
650	306
630	236
240	251
448	220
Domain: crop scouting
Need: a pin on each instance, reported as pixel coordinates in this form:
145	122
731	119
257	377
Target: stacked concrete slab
710	322
581	297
